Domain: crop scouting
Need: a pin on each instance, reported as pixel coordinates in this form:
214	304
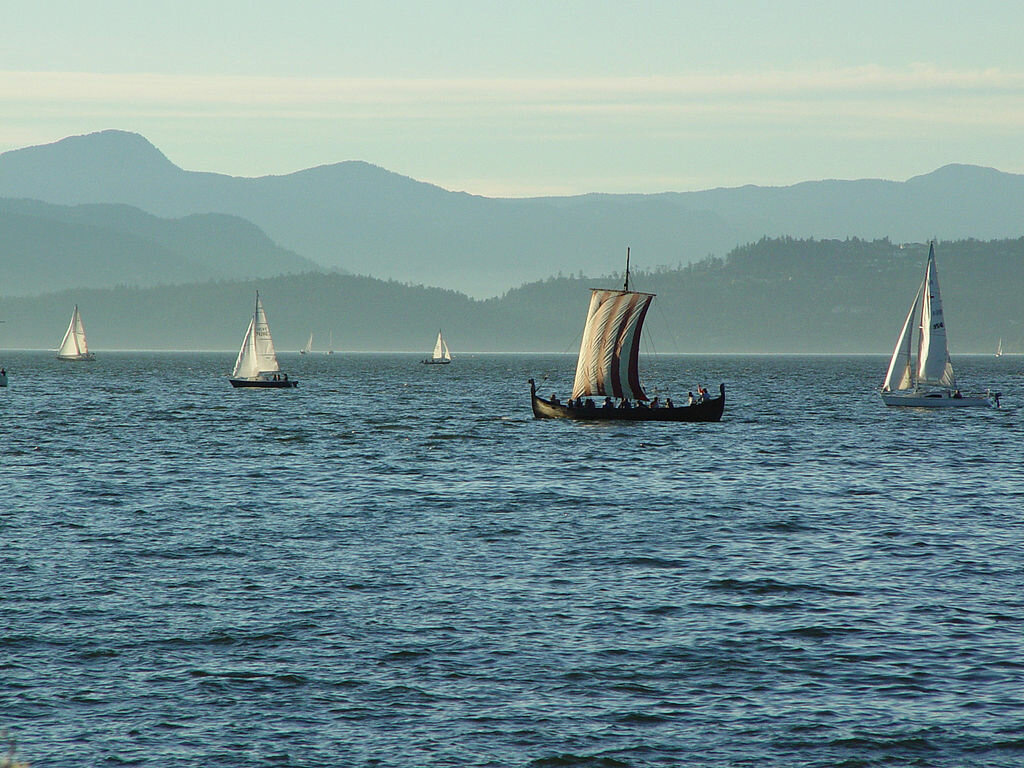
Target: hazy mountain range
358	217
51	248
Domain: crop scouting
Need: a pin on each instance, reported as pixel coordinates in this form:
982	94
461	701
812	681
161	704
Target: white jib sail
609	352
439	347
899	375
74	343
934	367
257	353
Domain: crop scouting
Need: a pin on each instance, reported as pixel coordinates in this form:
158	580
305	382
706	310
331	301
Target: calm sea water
395	565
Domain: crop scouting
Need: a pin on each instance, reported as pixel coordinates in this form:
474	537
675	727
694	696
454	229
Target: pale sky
530	97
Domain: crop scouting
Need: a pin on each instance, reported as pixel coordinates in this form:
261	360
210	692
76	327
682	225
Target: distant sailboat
441	354
608	366
999	348
257	365
309	346
931	382
74	346
330	344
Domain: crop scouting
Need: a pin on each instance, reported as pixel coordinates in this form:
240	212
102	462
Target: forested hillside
772	296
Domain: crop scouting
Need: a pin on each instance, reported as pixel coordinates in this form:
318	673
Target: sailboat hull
77	358
939	399
709	410
264	383
436	362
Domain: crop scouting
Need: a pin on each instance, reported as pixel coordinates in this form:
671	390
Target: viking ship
930	383
257	365
608	368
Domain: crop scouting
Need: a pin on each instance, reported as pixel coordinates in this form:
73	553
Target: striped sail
933	365
257	354
608	364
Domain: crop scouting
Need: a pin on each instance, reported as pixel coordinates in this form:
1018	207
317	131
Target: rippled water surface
395	565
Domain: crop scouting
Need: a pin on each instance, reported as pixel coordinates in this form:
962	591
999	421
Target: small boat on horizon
930	383
309	346
441	354
74	346
608	367
257	364
999	348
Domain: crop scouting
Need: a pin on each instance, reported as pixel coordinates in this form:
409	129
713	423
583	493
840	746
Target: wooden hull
709	410
264	383
940	399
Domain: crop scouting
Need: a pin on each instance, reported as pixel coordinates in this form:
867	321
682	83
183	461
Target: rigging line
663	316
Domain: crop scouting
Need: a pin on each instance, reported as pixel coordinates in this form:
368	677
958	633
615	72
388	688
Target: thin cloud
79	87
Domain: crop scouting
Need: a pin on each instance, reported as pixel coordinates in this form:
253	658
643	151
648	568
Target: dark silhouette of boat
707	410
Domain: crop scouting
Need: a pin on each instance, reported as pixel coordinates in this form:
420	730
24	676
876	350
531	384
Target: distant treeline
775	295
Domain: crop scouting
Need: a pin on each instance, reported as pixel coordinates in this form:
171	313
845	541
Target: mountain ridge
49	247
364	218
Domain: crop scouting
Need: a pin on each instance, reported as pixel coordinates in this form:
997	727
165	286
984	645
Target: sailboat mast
625	285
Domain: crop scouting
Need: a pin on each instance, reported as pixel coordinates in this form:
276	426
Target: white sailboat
257	365
74	346
441	354
330	344
999	348
309	346
929	382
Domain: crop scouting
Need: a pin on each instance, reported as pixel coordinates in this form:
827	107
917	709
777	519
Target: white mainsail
933	367
999	348
441	349
309	346
608	364
257	354
74	345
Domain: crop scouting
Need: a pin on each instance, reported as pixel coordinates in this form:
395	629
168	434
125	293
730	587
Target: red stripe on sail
614	335
620	337
634	356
